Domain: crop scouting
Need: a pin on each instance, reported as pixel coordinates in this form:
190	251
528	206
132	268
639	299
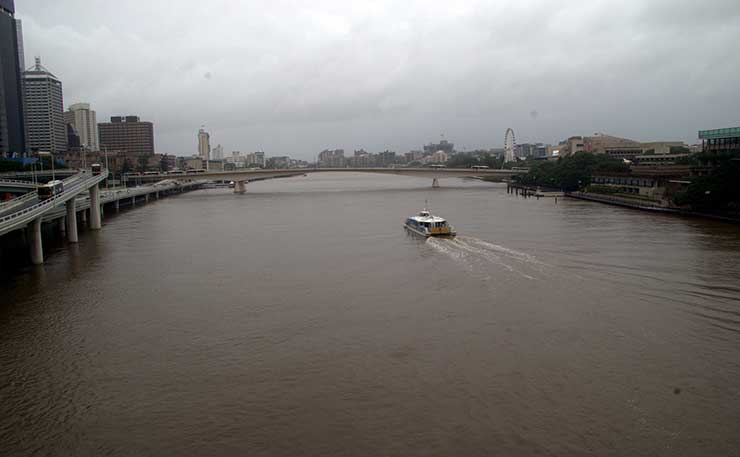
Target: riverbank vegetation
572	172
716	192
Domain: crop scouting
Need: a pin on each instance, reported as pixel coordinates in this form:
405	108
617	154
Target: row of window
723	141
728	131
642	182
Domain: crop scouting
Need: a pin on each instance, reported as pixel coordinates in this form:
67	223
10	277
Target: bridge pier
133	201
117	205
83	216
240	187
95	219
72	236
37	247
435	183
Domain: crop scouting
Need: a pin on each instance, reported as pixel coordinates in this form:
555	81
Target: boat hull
427	234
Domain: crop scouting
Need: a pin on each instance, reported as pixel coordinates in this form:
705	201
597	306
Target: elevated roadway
22	215
81	195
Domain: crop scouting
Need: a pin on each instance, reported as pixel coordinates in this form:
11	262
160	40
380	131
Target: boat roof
426	216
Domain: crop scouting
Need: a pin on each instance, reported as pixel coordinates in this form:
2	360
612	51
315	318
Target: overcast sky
292	77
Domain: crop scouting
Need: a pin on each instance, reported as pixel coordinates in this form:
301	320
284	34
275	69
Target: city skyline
432	68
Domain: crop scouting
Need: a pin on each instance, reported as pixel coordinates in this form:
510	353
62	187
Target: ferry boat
426	225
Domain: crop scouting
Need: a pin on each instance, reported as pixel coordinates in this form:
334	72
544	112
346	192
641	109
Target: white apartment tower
218	153
204	145
43	107
83	119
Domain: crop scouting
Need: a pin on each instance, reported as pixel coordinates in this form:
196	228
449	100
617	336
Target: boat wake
479	255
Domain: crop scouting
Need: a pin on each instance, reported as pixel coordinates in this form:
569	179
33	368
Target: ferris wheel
509	145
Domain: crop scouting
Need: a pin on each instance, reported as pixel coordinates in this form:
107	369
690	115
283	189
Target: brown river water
300	319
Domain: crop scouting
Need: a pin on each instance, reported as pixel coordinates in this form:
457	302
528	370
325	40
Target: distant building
386	158
439	157
204	144
256	158
444	146
218	152
279	162
73	139
84	121
43	110
12	126
259	158
625	183
167	161
663	147
414	156
531	150
658	159
195	163
332	159
127	134
236	159
362	159
721	140
621	148
215	165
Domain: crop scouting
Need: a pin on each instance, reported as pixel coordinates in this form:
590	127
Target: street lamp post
105	152
51	157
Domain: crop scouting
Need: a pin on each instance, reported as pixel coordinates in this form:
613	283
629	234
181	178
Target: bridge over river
241	177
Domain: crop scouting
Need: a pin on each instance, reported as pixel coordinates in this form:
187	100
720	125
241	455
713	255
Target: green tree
679	150
10	165
126	166
719	191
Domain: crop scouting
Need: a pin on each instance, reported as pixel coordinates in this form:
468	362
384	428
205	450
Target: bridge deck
245	175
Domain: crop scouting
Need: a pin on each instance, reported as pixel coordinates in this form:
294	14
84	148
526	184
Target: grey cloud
295	77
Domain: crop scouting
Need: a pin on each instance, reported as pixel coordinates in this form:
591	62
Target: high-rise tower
218	153
43	107
83	119
12	127
204	145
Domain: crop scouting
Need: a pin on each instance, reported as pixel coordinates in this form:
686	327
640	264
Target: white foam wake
476	254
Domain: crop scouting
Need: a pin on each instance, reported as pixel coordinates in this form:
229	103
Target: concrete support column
240	187
146	198
83	216
435	183
117	205
156	195
72	221
95	219
133	201
37	247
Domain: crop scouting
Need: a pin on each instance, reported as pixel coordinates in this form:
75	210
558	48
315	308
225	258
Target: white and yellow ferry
426	224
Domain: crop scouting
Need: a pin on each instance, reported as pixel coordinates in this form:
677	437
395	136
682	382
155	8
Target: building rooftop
731	132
